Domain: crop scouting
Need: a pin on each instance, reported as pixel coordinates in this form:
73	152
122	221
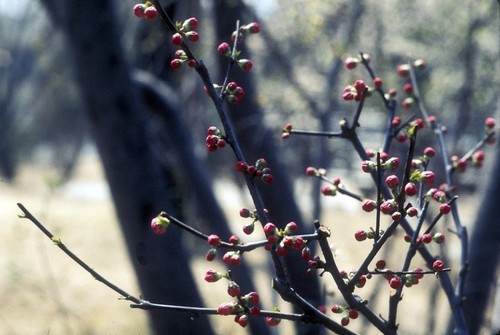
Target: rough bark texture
139	186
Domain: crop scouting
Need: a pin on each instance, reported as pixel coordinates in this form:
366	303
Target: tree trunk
484	254
139	187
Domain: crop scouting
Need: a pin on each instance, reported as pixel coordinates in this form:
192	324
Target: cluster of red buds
349	313
181	58
386	162
244	307
427	238
395	281
355	91
283	239
159	225
232	258
246	213
233	92
225	50
259	170
215	139
186	30
328	190
352	62
145	10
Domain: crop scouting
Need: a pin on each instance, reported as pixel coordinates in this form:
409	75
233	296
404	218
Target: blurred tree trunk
139	186
484	254
195	182
258	141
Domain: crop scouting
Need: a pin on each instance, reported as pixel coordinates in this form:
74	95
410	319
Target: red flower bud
438	265
176	39
213	240
192	36
210	255
224	49
252	28
360	235
233	289
395	282
381	264
353	314
190	24
377	82
138	10
368	205
211	276
150	13
392	181
159	225
445	208
403	70
269	228
351	63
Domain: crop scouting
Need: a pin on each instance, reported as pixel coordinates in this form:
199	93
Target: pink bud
190	24
213	240
368	205
175	64
290	227
360	235
176	39
311	172
210	255
427	238
252	28
138	10
245	64
377	82
392	181
159	225
403	70
408	88
381	264
241	166
224	49
411	189
490	123
233	289
269	228
429	152
192	36
438	265
150	13
243	320
211	276
395	282
351	63
252	297
444	208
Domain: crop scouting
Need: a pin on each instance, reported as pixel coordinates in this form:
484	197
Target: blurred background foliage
298	68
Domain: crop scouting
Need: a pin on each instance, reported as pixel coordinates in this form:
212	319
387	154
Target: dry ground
44	292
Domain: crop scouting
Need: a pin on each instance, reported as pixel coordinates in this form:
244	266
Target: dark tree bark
139	186
484	256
